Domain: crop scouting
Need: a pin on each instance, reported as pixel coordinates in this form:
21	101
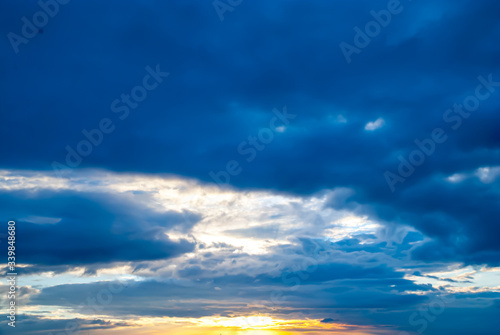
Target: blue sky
252	167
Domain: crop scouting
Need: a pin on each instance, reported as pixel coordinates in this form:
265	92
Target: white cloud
456	178
371	126
488	174
251	221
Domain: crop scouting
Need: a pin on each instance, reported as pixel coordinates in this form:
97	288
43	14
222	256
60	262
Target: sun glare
257	322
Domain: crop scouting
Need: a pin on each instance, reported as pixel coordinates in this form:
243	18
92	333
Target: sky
248	167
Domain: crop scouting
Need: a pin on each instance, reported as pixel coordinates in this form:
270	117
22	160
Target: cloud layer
218	158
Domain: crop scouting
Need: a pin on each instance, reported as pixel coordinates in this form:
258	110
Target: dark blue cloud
424	61
224	80
28	324
93	228
328	320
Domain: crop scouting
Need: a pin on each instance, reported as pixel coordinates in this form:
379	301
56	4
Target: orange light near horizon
240	325
257	322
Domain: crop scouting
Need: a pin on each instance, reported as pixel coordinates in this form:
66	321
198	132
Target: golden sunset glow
264	323
241	325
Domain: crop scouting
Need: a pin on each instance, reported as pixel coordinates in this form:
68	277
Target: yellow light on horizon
259	322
